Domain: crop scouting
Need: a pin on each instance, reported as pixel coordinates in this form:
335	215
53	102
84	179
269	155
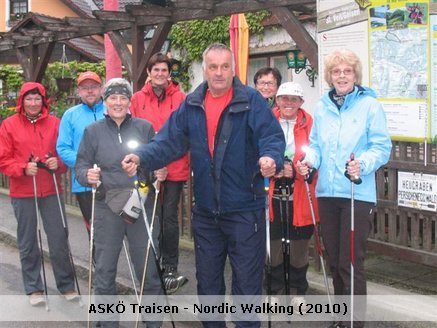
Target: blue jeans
239	236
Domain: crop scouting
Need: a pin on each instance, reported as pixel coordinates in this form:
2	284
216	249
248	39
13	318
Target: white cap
290	89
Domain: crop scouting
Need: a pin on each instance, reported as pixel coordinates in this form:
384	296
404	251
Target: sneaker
273	300
37	298
71	295
173	280
300	303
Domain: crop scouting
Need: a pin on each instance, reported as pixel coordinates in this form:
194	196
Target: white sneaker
273	300
36	298
299	303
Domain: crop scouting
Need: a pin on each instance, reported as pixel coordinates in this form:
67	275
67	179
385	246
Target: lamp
175	68
296	59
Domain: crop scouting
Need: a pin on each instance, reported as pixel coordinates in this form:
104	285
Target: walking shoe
300	303
36	298
173	280
71	295
273	300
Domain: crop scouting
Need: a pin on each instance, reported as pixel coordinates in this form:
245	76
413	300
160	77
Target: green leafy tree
12	81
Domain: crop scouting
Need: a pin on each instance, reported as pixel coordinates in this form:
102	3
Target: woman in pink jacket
27	146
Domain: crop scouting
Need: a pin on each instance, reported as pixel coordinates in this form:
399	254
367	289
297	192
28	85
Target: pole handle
266	184
355	179
94	186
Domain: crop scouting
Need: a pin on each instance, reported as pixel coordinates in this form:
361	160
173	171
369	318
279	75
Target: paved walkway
404	282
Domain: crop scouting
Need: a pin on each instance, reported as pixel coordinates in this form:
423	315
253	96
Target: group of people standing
231	137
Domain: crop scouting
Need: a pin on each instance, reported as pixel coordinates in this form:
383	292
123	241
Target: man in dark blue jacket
234	141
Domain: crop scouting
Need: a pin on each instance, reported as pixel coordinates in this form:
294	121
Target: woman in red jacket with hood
290	215
159	97
28	142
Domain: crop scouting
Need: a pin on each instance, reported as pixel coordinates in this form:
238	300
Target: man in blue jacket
73	123
234	141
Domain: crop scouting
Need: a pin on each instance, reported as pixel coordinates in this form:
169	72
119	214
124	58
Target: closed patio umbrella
239	37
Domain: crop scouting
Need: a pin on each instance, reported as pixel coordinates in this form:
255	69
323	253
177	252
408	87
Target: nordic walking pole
146	260
288	221
90	265
285	254
130	268
317	236
149	230
354	180
38	224
284	193
269	259
64	224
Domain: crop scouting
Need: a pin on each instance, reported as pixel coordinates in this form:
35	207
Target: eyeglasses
265	84
346	72
90	87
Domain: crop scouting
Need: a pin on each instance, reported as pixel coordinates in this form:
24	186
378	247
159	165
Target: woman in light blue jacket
347	120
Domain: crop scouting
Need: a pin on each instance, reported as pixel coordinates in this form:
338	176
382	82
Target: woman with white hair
105	143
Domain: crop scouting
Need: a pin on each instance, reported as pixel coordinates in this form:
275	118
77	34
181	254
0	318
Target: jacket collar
239	101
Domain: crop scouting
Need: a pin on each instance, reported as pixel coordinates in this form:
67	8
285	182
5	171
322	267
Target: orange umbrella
239	36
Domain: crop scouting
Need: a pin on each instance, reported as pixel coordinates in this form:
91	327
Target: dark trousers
335	220
85	204
239	236
281	230
109	232
27	239
170	223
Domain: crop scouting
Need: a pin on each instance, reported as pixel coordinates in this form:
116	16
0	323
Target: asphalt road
10	285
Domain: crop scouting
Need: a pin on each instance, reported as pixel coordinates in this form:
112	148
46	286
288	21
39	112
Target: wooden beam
34	59
23	59
155	45
119	16
240	6
122	49
205	4
151	20
137	53
402	252
183	14
148	10
300	35
39	65
81	22
141	56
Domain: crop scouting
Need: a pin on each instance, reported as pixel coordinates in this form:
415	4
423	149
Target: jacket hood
197	96
27	86
358	92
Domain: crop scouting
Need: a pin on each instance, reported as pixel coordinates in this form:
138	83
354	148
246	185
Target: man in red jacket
28	141
159	97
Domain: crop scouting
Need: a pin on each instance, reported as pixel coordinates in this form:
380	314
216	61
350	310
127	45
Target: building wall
53	8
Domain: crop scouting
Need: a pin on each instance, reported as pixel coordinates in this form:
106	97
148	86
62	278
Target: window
18	7
273	61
